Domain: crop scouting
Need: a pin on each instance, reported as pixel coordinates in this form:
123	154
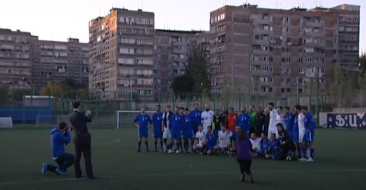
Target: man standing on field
206	117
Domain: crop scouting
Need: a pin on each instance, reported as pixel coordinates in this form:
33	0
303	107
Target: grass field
340	164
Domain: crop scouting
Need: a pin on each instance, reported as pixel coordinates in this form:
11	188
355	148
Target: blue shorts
188	134
309	136
143	133
211	148
295	136
175	135
158	133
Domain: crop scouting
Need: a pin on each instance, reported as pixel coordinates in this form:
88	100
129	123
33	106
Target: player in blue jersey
273	151
289	120
195	115
176	130
244	121
309	133
286	143
264	145
157	128
295	130
211	141
188	131
142	122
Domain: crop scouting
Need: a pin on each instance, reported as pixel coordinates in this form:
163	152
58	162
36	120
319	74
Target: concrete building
275	51
59	61
171	51
16	58
121	53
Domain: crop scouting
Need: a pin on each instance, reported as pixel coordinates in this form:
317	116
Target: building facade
121	53
59	61
171	52
276	51
27	62
16	57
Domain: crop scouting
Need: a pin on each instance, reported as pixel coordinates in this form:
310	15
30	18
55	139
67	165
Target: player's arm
313	123
149	120
196	139
170	123
162	121
87	116
64	138
135	121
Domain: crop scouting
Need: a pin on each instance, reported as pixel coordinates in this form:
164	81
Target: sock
155	144
186	146
161	144
178	144
171	146
139	145
299	152
303	150
147	145
312	153
164	144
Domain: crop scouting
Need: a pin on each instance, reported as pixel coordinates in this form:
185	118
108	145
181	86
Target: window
309	59
286	50
286	60
126	51
127	41
301	70
282	80
285	19
285	29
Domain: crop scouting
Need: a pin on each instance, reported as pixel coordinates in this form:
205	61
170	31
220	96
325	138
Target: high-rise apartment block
270	50
121	53
27	62
16	58
59	61
171	51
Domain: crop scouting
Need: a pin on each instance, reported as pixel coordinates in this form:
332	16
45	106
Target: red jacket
231	121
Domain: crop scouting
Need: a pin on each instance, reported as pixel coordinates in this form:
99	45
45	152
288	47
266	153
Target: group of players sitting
208	139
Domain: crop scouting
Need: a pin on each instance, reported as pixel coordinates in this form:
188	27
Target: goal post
124	118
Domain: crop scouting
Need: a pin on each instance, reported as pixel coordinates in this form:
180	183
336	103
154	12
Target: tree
53	89
337	84
182	84
196	78
4	95
362	63
196	69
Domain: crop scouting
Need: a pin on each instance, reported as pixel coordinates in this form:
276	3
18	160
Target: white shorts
222	146
301	136
199	145
166	134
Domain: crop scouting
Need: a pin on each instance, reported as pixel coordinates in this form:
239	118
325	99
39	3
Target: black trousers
258	131
64	161
245	166
83	147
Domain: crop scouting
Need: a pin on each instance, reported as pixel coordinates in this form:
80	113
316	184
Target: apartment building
59	61
348	34
16	58
121	53
274	51
171	51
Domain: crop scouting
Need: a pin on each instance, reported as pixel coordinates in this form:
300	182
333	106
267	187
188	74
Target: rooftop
181	31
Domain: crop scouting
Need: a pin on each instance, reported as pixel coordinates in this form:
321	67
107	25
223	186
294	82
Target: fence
104	106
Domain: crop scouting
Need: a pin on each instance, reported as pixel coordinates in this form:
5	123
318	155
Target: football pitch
340	163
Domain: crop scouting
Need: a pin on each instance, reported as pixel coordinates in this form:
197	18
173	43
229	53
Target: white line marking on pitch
180	174
110	142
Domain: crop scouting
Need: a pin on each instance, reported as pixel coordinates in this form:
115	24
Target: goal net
125	118
51	120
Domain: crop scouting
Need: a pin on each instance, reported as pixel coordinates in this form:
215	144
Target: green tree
336	85
362	63
54	89
4	95
182	85
196	69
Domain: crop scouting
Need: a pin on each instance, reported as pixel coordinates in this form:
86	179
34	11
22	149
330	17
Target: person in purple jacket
244	156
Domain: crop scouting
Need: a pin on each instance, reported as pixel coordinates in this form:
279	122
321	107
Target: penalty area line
180	174
110	142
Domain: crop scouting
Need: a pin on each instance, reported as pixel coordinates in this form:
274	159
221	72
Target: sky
60	19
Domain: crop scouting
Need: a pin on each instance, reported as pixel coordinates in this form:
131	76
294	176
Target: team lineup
279	134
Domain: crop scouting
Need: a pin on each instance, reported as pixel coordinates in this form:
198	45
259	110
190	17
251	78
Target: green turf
340	164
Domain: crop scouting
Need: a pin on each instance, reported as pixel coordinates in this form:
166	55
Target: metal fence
104	105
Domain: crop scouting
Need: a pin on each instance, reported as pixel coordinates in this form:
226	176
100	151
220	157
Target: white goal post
126	118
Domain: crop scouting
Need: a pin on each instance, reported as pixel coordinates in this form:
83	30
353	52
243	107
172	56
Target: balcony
260	62
263	20
310	23
265	83
260	52
313	34
261	73
261	31
260	42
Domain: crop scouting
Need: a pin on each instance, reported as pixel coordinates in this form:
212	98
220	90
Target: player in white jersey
206	117
200	138
256	144
301	121
224	140
272	129
165	125
279	116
